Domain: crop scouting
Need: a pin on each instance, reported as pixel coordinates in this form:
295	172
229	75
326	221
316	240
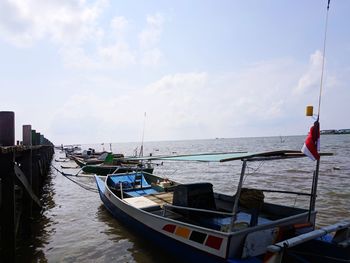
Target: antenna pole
323	61
143	135
316	172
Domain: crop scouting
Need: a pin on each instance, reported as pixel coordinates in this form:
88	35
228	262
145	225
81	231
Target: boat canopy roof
228	156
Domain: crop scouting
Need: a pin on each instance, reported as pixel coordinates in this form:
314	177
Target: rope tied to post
84	186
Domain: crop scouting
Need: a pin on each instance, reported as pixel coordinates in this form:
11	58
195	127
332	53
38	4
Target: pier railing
23	169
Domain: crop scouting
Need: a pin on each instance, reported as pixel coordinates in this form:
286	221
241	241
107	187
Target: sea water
74	226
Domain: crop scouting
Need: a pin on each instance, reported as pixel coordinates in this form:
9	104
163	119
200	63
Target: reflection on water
122	238
30	248
74	226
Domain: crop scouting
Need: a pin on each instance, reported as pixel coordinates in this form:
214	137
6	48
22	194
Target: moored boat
109	163
104	169
208	226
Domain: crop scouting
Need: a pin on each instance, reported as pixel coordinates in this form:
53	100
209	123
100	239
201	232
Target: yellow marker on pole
309	111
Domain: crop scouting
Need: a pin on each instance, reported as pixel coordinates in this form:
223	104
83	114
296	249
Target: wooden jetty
23	168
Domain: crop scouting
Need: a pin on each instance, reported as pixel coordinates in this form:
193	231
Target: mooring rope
84	186
251	170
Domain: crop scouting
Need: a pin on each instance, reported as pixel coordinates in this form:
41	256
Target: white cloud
150	36
310	80
119	25
244	102
118	55
114	51
95	118
256	100
115	56
177	101
151	57
75	57
194	105
63	22
181	82
74	26
149	39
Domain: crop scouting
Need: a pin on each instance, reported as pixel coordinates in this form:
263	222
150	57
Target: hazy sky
87	71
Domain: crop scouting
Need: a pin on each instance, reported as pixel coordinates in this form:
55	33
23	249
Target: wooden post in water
7	131
27	135
33	138
27	170
8	236
35	177
38	161
37	138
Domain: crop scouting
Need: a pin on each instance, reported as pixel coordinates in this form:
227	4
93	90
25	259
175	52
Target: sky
101	71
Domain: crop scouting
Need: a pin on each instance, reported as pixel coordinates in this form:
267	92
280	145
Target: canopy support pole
238	193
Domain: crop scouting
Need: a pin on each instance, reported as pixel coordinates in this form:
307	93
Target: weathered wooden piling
26	166
7	131
8	235
23	168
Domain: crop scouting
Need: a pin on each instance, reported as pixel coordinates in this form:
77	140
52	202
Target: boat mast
316	172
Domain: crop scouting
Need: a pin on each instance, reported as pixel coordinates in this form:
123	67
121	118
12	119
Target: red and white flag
312	142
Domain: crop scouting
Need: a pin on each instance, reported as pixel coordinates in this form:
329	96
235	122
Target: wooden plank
162	198
141	202
21	176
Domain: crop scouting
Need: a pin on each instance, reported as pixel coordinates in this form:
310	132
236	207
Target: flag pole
317	130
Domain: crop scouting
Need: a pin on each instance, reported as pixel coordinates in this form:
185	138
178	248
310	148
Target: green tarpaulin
225	157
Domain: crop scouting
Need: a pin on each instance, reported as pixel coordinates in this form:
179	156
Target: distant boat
341	131
194	223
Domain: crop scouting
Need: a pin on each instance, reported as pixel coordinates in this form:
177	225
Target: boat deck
161	198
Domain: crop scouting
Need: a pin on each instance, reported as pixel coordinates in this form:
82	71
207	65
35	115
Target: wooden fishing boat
104	169
104	158
83	162
111	163
199	225
92	157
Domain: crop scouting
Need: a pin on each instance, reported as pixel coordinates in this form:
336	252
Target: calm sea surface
74	226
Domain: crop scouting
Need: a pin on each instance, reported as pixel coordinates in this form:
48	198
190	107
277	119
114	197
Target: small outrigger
199	225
